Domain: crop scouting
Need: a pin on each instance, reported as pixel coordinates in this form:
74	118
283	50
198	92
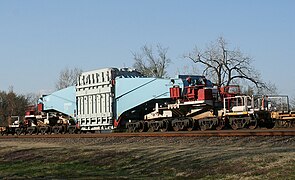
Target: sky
39	38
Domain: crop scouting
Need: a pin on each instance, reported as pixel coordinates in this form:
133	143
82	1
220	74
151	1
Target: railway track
223	133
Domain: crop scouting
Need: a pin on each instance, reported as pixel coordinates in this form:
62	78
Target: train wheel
284	124
49	130
220	125
18	131
71	130
165	126
142	127
37	130
178	125
253	124
270	125
78	131
157	127
43	130
30	130
55	130
33	131
176	128
191	128
61	130
203	125
277	124
289	123
234	125
191	125
152	129
133	129
130	128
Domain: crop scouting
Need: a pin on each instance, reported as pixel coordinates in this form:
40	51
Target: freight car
118	98
54	113
114	99
107	98
202	106
280	110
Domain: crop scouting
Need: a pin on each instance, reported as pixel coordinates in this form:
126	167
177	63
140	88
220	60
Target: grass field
149	158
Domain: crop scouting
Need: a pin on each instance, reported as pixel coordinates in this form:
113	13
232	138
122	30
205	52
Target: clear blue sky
39	38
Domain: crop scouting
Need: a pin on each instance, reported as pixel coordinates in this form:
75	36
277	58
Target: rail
223	133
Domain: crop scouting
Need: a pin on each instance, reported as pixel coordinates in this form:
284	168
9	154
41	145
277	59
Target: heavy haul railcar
201	106
55	113
115	98
112	98
108	97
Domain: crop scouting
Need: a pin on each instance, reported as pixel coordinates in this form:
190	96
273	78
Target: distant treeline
11	104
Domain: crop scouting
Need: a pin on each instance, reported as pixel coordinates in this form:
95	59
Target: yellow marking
236	113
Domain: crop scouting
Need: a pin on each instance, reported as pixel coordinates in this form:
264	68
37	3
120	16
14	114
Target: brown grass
146	158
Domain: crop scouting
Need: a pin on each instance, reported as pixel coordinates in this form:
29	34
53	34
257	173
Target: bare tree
225	66
268	88
32	98
67	77
151	64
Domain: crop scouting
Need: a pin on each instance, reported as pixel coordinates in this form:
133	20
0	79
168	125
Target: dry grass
149	158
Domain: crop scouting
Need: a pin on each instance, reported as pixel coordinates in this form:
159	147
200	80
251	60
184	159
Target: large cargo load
135	97
109	95
62	101
95	94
